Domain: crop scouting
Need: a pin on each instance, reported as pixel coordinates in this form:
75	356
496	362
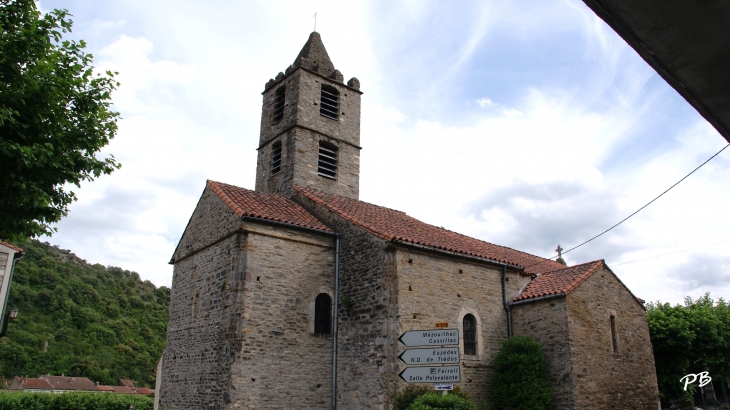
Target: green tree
685	338
519	381
55	116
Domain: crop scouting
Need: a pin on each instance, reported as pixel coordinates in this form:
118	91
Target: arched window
329	102
469	326
323	314
279	100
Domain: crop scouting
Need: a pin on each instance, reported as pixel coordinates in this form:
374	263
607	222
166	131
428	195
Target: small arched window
469	326
329	102
275	158
279	99
323	314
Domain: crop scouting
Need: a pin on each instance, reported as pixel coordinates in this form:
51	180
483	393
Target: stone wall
282	364
434	287
211	220
604	380
299	158
368	329
547	321
201	332
302	108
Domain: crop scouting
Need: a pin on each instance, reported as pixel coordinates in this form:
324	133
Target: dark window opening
614	336
323	314
279	99
470	334
327	165
276	158
329	102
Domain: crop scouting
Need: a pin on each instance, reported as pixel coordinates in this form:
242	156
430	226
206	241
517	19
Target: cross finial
315	21
559	250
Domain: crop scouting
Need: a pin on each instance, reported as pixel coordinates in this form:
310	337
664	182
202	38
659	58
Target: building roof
105	388
126	382
144	390
11	246
60	382
313	56
29	383
83	383
122	389
395	226
559	282
247	203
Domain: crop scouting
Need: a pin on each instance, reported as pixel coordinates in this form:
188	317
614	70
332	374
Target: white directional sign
431	374
437	355
432	337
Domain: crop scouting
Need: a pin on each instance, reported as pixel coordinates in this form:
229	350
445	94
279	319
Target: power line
638	210
670	253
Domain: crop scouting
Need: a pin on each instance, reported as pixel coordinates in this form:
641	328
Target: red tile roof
144	390
83	383
105	388
28	383
254	204
122	389
126	382
60	382
393	225
561	281
11	246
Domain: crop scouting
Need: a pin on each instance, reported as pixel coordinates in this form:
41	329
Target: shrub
519	381
405	397
73	401
432	401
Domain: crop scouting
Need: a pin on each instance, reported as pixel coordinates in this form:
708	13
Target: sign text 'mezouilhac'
432	337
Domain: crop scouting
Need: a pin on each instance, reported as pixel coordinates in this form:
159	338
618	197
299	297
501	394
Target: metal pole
334	322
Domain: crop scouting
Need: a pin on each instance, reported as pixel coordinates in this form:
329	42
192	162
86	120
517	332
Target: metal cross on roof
559	250
315	21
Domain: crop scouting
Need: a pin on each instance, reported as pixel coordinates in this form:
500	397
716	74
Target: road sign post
432	337
437	359
431	374
437	355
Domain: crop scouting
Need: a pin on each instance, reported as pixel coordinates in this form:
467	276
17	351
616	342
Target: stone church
293	295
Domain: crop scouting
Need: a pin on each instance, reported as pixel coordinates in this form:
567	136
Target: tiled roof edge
11	246
215	186
368	228
457	254
536	298
597	264
296	226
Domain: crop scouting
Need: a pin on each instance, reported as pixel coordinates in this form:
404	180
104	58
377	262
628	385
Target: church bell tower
310	128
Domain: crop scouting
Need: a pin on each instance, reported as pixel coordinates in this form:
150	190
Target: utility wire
637	211
670	253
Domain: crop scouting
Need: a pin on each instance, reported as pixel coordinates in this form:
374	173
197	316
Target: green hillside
78	319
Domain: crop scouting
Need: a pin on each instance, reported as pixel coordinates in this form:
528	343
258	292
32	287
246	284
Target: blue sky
523	123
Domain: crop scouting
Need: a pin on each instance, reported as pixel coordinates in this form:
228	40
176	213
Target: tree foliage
433	401
519	381
54	118
684	338
99	322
